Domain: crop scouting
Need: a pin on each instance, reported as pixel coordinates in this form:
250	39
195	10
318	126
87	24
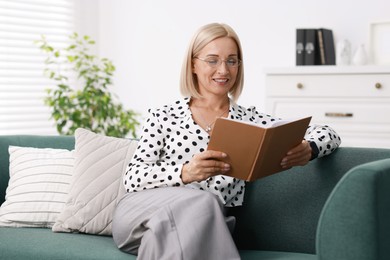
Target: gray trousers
173	223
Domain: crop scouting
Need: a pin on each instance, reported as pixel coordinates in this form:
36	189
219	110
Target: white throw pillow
38	186
100	162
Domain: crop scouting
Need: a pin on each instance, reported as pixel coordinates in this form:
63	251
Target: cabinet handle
335	114
300	85
378	85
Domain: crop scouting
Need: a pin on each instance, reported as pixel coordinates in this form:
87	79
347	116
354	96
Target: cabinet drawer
340	110
373	85
357	122
379	140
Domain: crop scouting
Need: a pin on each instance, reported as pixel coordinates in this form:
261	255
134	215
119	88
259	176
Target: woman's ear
193	67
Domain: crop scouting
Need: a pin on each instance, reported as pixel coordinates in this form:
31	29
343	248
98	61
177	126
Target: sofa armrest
355	221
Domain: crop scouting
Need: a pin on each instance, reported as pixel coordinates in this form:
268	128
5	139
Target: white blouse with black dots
170	138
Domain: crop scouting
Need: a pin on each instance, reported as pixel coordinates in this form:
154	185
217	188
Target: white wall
146	39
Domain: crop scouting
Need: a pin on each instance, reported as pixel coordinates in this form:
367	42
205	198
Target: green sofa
337	207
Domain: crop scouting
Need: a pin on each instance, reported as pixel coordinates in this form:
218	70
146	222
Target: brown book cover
255	151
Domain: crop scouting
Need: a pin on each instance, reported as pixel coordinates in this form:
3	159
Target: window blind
22	81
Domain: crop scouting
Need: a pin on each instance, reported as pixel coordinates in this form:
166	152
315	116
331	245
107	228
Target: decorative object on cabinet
354	100
380	42
360	56
343	52
315	47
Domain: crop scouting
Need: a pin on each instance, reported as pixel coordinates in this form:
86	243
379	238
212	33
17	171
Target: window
22	82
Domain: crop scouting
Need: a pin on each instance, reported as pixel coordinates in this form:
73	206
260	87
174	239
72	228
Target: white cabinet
353	100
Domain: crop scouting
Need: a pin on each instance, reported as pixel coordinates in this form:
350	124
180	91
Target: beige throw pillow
100	162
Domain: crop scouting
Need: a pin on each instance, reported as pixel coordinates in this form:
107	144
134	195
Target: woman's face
215	77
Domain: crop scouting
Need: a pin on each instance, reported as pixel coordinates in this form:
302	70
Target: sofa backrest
281	212
65	142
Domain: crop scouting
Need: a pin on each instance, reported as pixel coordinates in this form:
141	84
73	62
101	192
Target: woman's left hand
298	156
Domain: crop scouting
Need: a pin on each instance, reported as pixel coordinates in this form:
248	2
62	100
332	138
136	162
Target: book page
276	123
284	121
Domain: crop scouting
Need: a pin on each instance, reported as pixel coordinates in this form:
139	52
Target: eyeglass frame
219	62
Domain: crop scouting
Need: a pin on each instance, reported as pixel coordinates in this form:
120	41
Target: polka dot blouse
170	138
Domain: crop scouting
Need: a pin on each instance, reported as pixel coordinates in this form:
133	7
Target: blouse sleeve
146	170
323	140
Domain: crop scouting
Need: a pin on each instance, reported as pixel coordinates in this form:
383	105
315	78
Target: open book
255	151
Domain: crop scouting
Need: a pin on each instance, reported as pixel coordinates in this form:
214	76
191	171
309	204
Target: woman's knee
124	225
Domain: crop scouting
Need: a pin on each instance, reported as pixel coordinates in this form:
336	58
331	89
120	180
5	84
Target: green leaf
48	48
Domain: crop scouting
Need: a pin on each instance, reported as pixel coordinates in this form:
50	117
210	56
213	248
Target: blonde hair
206	34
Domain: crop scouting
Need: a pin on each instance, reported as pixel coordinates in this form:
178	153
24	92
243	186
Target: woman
177	190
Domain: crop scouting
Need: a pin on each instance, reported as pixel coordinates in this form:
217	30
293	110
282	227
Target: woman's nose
223	68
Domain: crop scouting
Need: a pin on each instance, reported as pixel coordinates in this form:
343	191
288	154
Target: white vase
343	52
360	56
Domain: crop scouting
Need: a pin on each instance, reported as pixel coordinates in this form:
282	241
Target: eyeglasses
216	62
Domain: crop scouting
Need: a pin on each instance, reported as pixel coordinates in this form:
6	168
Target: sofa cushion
16	244
43	244
273	255
38	186
100	162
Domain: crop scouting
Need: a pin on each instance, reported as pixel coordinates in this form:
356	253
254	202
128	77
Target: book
254	151
326	47
311	47
300	47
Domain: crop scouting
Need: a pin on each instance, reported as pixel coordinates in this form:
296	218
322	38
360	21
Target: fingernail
226	168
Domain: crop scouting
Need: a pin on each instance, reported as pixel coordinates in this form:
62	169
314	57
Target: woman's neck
206	111
211	104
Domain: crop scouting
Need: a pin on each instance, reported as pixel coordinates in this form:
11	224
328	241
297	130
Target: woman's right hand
203	166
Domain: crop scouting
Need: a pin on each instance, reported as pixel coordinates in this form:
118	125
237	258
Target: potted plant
87	103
